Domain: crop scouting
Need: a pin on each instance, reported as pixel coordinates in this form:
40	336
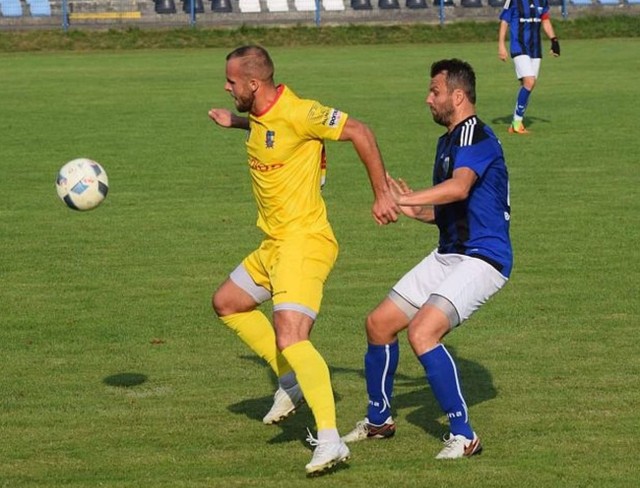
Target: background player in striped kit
523	19
469	202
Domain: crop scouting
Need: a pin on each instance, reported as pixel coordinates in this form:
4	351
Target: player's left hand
555	47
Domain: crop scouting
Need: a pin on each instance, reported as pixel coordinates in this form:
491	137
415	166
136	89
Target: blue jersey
525	18
479	225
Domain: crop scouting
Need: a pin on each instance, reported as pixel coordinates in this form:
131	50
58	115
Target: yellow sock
256	331
313	377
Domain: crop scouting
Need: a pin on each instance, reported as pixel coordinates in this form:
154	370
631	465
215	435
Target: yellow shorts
294	269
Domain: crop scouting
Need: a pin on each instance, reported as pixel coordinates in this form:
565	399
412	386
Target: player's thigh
418	284
526	66
252	275
246	287
469	284
232	298
299	271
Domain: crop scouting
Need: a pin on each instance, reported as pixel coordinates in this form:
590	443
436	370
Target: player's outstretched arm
454	189
363	139
226	118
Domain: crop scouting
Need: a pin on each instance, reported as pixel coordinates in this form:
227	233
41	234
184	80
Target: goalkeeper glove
555	46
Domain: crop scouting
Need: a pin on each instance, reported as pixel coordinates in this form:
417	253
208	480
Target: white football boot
326	455
458	446
285	403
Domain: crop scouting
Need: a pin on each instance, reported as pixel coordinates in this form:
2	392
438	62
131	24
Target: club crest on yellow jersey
269	141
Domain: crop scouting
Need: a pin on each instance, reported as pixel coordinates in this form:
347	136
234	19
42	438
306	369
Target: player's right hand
221	116
385	210
555	47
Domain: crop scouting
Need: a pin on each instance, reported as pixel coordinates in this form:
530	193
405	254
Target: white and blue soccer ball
82	184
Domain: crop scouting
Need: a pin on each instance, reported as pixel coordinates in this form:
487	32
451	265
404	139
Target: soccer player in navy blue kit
523	19
469	202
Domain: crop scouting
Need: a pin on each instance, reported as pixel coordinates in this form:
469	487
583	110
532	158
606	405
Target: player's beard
244	104
443	115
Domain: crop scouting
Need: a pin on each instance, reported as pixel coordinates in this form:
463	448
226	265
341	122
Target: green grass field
115	372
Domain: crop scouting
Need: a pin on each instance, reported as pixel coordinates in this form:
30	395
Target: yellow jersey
286	157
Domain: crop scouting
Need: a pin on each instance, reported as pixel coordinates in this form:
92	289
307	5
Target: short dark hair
255	60
459	75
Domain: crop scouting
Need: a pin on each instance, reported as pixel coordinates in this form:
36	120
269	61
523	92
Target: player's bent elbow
460	193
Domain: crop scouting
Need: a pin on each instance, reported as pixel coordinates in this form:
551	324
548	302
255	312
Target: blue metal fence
148	13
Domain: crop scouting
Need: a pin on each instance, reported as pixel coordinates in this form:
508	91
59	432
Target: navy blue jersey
524	18
479	225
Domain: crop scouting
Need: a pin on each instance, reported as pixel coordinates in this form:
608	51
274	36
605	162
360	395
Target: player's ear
459	96
254	85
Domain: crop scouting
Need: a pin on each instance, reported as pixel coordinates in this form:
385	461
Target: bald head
254	62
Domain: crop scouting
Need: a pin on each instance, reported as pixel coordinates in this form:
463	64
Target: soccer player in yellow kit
286	154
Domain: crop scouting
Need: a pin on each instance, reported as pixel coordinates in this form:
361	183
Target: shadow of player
410	393
528	121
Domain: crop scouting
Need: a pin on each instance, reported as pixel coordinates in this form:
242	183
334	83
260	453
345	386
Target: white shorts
526	66
464	281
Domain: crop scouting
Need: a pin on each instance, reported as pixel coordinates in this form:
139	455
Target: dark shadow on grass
477	387
125	380
506	120
330	472
292	429
410	393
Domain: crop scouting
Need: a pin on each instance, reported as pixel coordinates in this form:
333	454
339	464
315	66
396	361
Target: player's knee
216	305
369	325
423	338
221	304
529	83
376	333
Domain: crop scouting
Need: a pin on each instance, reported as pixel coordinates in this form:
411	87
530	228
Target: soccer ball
82	184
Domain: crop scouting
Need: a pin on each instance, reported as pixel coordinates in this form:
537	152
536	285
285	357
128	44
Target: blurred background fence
72	14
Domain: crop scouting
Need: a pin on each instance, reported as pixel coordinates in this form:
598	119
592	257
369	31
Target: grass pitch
116	373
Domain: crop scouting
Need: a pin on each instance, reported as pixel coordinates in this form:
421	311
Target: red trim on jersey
545	16
279	90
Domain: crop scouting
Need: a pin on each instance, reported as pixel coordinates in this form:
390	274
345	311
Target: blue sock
443	379
521	104
380	364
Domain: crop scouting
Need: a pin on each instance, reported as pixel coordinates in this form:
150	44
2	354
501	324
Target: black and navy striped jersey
524	18
479	225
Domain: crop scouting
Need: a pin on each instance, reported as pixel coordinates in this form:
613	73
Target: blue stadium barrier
609	2
198	6
10	8
581	2
39	8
